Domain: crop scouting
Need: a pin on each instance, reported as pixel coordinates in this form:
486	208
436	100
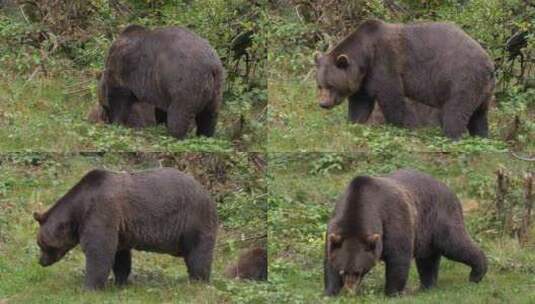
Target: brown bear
251	265
433	63
109	214
170	68
395	218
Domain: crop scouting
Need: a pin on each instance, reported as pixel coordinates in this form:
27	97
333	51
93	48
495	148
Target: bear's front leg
97	268
99	246
360	106
397	273
122	266
386	84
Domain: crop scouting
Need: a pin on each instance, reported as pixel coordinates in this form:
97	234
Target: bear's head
353	257
341	71
55	238
337	77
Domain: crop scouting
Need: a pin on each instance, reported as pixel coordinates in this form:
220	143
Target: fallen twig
32	75
530	159
83	89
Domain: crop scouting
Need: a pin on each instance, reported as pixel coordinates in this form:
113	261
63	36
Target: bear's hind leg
457	112
199	259
122	266
206	121
428	270
478	124
453	123
177	121
460	248
397	273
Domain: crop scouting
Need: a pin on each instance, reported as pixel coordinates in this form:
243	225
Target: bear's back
443	41
429	193
168	185
158	206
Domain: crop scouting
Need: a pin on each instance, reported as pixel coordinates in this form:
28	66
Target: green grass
303	188
297	123
50	114
30	182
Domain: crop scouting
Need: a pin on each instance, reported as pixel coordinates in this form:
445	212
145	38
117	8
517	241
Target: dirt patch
470	205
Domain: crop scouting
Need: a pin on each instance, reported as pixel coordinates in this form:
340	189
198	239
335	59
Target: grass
49	114
297	123
304	186
30	182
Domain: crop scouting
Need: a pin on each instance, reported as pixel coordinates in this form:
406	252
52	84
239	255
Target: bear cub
110	213
251	265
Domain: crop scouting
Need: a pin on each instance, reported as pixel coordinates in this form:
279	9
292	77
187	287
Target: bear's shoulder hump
95	176
133	28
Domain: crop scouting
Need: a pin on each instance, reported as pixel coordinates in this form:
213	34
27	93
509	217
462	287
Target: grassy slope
297	123
44	115
301	201
155	278
47	112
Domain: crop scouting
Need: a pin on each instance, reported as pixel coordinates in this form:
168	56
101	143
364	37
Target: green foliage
326	163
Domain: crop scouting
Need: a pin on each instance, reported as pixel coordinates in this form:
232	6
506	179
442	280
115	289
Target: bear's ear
39	217
335	239
342	61
317	56
372	240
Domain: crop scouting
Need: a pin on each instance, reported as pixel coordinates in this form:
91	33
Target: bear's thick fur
433	63
109	214
251	265
170	68
395	218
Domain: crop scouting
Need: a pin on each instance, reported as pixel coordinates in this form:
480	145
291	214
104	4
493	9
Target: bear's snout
352	281
45	261
326	105
326	99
